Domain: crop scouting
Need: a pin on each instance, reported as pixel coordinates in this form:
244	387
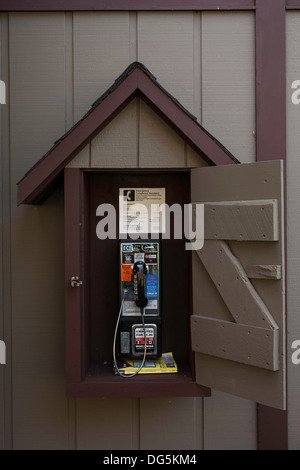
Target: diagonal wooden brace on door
253	335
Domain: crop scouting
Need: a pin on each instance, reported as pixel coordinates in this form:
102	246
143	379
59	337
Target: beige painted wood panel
82	159
171	423
228	80
293	223
193	159
159	145
230	423
116	146
69	82
37	86
37	119
137	136
107	423
40	415
101	54
165	47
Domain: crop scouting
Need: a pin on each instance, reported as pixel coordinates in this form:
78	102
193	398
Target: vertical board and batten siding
37	118
101	53
293	223
228	81
59	64
165	42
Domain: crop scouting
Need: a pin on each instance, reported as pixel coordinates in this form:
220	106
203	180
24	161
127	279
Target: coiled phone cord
115	338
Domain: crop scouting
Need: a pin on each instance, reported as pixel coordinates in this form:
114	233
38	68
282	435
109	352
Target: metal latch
75	282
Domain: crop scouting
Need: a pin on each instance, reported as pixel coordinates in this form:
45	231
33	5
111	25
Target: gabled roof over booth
136	80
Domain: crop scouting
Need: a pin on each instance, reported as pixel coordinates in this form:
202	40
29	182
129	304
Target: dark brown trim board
135	5
73	183
126	5
271	144
270	80
272	426
136	80
293	4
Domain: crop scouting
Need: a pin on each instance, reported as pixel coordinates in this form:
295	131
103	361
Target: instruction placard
141	210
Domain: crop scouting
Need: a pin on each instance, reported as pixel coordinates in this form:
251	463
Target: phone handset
139	273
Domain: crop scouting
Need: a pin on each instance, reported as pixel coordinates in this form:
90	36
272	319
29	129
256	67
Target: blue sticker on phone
126	247
151	286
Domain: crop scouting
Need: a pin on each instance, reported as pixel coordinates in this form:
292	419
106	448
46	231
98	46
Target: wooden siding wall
293	223
55	65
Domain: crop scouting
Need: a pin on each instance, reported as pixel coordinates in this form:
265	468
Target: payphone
140	299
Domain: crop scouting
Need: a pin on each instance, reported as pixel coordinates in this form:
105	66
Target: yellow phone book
163	365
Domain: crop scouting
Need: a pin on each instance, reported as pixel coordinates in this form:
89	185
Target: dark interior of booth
102	269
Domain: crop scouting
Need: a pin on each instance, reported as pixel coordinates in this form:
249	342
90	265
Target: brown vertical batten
272	429
271	145
270	80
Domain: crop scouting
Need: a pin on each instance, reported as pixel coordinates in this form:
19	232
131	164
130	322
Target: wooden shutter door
238	321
